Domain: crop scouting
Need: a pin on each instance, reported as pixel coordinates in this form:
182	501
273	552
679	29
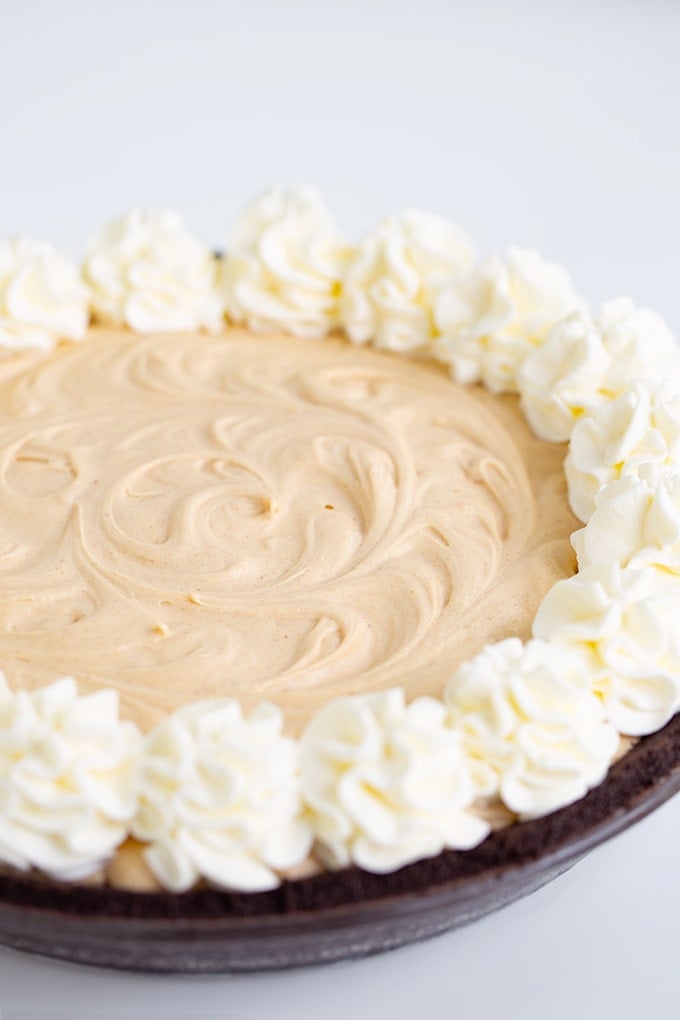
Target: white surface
553	125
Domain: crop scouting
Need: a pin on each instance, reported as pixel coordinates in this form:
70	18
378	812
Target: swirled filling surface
185	517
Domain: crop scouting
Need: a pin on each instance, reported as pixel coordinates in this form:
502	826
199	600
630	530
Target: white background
550	124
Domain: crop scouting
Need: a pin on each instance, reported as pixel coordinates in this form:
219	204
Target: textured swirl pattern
273	519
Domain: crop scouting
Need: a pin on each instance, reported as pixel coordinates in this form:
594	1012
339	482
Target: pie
320	560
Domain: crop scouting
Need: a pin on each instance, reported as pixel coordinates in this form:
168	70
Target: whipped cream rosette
386	783
537	735
491	319
219	798
391	284
285	264
146	271
42	297
624	622
587	362
642	426
636	522
68	778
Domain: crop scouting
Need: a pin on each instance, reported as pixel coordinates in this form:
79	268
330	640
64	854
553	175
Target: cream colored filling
187	517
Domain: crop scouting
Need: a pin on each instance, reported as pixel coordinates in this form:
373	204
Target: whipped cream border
374	781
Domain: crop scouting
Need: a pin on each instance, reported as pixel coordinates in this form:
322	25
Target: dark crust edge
654	760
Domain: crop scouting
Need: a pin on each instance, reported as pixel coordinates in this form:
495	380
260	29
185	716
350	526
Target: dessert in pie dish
317	555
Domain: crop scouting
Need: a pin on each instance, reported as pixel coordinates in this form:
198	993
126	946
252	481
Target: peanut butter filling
185	517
